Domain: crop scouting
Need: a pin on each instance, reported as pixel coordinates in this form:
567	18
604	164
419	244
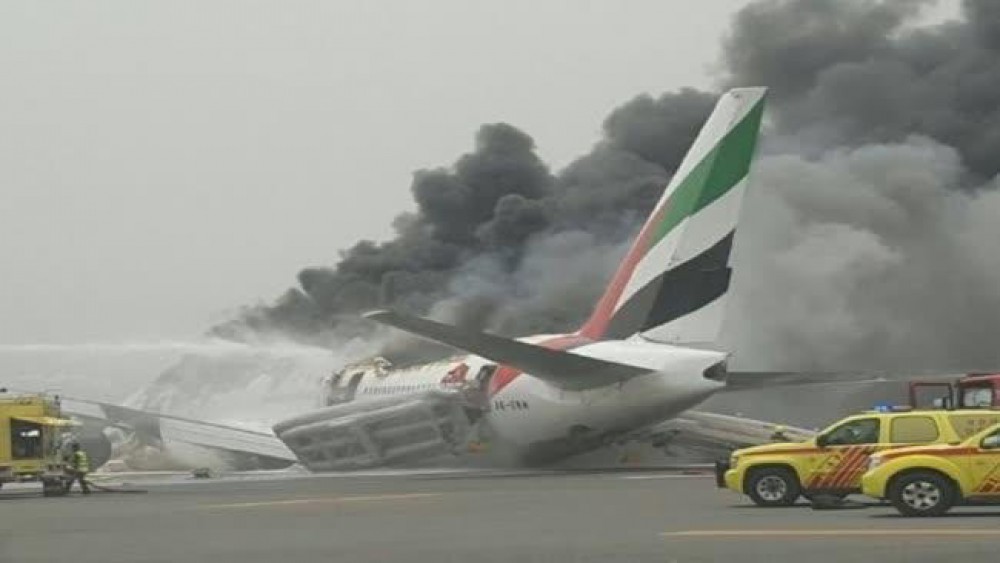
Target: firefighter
79	466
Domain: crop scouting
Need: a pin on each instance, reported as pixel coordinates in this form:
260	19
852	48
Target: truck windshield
977	397
860	431
25	440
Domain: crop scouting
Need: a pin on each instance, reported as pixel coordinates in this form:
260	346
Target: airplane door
483	377
352	386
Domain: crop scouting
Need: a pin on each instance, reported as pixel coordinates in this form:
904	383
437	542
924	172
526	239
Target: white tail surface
672	284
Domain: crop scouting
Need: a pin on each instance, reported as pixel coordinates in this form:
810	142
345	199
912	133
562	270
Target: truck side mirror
822	441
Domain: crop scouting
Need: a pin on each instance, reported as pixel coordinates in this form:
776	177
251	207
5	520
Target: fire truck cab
974	391
31	433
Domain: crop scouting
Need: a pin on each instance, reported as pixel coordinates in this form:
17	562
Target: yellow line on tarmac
868	532
322	500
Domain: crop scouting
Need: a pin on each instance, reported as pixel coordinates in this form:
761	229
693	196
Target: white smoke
212	379
867	258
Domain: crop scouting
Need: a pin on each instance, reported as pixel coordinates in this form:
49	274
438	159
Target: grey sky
164	162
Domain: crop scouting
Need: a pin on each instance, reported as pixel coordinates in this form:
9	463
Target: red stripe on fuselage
506	374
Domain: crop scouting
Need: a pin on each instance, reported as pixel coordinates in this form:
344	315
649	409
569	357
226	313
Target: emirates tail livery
646	354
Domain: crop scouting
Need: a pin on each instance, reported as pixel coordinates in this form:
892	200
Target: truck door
966	424
984	466
843	455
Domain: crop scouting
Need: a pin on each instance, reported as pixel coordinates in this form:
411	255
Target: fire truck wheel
773	486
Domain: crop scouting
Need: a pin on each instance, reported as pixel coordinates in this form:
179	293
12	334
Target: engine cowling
393	430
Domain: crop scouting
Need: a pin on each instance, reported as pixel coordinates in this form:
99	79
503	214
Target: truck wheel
773	486
922	493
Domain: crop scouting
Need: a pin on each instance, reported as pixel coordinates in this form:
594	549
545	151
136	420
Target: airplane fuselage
541	422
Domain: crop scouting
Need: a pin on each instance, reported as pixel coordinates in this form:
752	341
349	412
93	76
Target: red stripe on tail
597	324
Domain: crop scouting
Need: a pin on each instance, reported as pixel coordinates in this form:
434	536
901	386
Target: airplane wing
703	437
159	427
732	431
562	369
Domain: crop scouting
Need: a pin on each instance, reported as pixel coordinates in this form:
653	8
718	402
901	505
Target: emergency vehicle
929	480
973	391
832	462
31	428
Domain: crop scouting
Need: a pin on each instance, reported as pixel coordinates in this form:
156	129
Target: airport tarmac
467	517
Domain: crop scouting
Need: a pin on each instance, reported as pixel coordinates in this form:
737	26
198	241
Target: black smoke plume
869	237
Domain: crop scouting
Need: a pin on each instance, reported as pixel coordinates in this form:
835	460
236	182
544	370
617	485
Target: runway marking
663	476
868	532
327	500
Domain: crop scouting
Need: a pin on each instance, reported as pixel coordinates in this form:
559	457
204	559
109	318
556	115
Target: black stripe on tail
677	292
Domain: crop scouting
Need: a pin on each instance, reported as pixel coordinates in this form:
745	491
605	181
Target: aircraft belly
529	412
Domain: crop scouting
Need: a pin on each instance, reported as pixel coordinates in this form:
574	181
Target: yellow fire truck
31	434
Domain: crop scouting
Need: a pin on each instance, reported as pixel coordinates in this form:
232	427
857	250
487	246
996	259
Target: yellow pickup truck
929	480
833	462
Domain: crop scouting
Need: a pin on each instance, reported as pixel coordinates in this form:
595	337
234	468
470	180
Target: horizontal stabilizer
565	370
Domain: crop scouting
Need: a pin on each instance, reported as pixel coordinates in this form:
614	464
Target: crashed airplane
647	355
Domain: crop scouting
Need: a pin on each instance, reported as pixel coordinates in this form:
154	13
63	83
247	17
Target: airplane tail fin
672	284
